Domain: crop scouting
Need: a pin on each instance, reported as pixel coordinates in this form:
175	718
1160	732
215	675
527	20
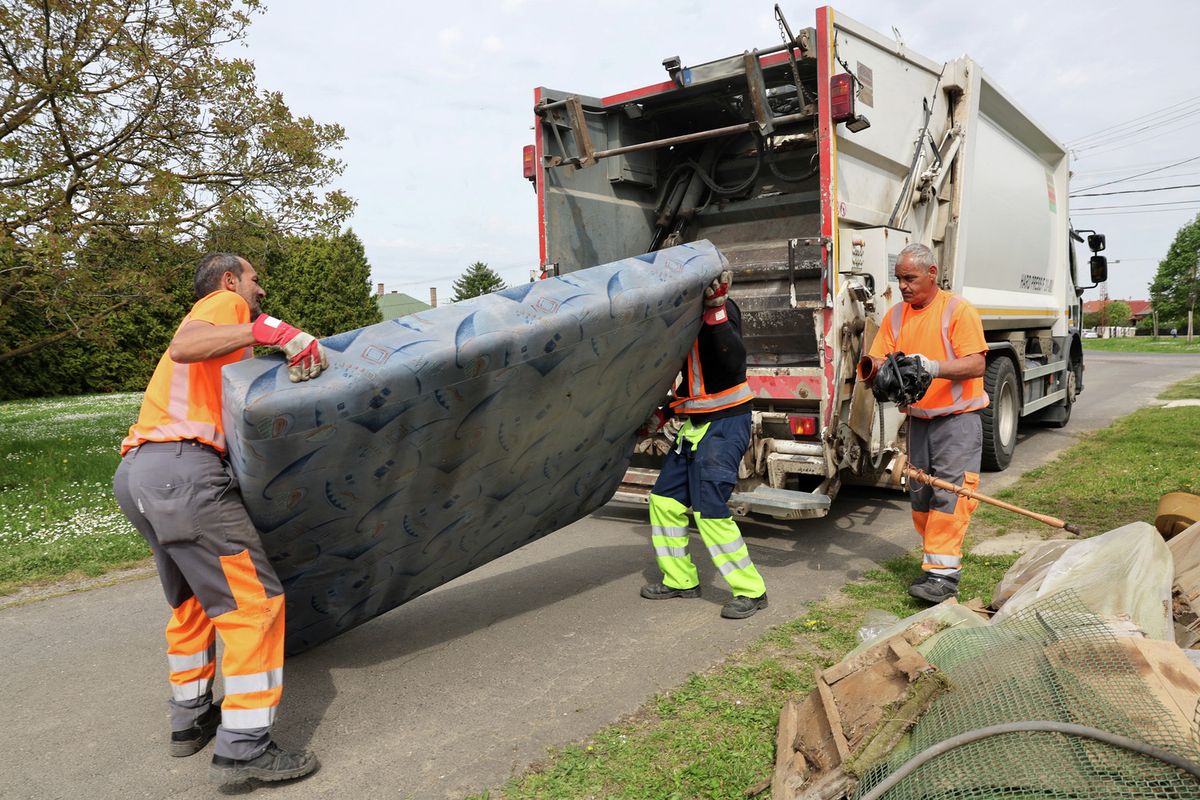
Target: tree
1116	313
121	349
322	284
478	279
121	121
1174	287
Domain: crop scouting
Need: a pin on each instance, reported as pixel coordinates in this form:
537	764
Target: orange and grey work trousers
184	499
949	448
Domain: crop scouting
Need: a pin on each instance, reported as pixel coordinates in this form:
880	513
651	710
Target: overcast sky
437	103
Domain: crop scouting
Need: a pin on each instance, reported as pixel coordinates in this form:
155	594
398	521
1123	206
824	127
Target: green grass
1113	476
1144	344
58	517
1184	390
714	736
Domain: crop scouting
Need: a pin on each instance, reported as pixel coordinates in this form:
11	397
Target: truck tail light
527	162
841	97
802	425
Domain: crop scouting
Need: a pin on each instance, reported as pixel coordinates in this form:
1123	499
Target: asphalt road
459	689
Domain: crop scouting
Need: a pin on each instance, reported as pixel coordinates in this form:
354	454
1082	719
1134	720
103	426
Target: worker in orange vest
945	433
178	490
701	470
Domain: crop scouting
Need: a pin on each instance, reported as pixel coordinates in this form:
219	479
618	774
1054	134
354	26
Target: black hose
1043	726
783	176
741	187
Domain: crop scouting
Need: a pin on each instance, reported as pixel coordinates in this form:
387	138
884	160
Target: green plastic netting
1054	661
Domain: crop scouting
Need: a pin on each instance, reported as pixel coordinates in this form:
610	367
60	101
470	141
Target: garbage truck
810	164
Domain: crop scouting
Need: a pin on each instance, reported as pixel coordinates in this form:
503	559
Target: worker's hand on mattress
653	424
715	295
306	358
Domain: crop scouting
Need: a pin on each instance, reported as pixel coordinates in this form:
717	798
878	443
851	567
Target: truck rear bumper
764	500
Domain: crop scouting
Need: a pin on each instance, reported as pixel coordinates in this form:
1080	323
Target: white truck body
821	208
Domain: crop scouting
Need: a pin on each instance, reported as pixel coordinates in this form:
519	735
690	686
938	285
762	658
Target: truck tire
1001	415
1063	408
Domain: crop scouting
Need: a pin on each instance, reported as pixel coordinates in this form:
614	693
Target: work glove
901	379
929	364
306	358
715	295
653	424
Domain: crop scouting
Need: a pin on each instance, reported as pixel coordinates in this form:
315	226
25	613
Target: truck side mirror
1099	265
1096	242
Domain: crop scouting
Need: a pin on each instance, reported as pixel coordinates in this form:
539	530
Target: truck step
780	503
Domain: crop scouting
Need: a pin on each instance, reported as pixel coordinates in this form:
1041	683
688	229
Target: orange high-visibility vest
183	401
949	327
698	400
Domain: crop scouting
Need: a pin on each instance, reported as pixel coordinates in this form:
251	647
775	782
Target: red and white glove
654	424
306	358
715	295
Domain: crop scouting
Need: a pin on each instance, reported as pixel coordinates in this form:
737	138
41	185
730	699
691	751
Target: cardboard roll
1177	511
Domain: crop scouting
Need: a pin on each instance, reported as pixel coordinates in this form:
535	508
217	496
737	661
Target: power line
1159	122
1139	211
1126	168
1139	205
1108	148
1140	174
1135	120
1138	191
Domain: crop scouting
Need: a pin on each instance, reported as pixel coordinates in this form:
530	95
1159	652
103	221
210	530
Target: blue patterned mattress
440	441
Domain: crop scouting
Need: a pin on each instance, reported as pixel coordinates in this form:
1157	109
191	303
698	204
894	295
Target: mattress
440	441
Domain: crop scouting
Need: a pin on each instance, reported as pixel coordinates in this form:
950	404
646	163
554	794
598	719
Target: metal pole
695	137
1192	298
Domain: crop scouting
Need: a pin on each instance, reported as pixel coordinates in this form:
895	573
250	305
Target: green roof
399	304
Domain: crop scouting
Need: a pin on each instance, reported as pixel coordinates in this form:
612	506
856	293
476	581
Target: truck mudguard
440	441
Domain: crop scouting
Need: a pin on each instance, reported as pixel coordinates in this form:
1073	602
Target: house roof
398	304
1137	308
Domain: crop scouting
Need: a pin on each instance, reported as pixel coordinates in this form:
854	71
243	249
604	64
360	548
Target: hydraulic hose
1041	726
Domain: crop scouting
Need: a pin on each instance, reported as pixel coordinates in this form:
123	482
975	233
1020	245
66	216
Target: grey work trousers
949	448
184	499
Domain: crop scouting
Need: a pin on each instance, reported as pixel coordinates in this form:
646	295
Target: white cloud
449	36
1019	22
512	6
492	44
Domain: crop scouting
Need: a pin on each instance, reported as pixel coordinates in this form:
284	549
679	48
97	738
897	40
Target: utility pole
1192	298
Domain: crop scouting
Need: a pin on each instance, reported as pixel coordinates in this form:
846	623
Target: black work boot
273	764
742	607
935	588
924	577
192	740
660	591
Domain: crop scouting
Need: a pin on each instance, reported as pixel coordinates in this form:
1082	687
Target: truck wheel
1063	408
1000	417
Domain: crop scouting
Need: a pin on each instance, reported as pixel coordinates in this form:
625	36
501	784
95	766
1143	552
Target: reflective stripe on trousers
217	579
949	448
731	557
